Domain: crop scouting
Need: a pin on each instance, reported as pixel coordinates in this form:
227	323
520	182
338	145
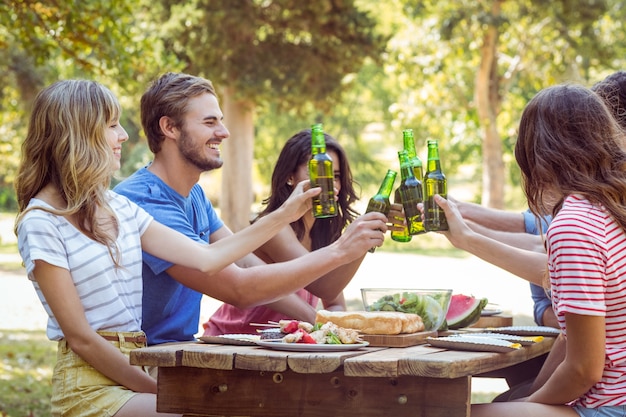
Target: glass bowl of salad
430	305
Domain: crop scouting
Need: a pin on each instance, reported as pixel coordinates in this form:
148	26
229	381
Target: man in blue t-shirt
182	119
171	310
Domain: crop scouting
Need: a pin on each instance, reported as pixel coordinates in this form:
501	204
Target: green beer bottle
321	175
400	236
411	194
380	201
434	183
409	146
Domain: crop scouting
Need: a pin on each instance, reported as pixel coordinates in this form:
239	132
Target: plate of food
300	336
310	347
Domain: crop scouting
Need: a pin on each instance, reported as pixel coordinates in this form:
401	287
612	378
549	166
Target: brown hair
295	152
169	96
569	143
613	91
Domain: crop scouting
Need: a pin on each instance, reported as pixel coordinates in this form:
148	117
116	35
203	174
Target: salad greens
425	306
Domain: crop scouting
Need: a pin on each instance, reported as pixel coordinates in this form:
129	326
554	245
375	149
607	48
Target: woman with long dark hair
305	235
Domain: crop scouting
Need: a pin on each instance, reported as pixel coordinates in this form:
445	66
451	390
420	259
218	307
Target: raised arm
490	218
248	287
285	246
529	265
168	244
521	240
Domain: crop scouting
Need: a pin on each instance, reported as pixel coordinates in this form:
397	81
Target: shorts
604	411
79	390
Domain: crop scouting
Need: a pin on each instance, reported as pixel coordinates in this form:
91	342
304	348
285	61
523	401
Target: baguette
373	322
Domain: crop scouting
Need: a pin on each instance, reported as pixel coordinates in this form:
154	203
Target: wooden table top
421	360
201	379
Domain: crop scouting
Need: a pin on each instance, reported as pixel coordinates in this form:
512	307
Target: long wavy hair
66	147
295	152
570	143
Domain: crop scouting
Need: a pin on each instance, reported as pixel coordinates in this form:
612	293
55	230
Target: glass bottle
411	195
321	175
434	183
397	235
380	201
409	146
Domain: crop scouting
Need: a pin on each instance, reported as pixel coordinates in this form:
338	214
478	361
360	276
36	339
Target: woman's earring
289	182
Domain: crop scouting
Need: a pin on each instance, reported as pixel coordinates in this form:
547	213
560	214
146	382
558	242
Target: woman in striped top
82	248
572	156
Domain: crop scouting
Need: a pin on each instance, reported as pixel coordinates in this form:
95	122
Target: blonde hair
66	147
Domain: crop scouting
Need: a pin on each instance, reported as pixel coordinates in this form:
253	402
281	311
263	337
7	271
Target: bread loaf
373	322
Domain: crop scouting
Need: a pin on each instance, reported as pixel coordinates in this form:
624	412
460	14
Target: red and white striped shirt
587	266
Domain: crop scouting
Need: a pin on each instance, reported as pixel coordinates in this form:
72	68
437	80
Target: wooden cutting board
398	340
498	320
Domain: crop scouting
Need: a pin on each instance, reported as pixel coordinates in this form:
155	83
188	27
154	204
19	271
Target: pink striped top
587	266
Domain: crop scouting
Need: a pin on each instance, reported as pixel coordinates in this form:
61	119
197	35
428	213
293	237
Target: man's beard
195	154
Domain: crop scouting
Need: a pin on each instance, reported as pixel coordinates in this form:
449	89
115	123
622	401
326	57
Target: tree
283	53
479	62
42	41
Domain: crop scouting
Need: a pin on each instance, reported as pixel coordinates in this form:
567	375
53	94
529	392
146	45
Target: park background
459	71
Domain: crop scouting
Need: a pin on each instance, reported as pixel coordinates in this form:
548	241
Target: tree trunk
488	105
237	152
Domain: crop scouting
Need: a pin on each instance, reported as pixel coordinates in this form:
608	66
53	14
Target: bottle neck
318	143
406	172
433	163
406	169
409	146
387	185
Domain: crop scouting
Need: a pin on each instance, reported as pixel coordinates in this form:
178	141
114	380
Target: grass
27	359
10	265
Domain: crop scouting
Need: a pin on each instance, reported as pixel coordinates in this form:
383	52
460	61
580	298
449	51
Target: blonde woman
82	248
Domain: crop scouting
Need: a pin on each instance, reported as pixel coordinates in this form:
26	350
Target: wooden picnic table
200	379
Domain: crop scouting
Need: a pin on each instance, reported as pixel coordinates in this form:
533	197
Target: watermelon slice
464	310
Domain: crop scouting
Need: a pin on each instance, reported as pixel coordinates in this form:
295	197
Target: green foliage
366	69
27	359
435	60
99	36
285	52
41	42
363	131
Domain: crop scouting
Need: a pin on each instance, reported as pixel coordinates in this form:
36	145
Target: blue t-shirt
171	311
540	298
